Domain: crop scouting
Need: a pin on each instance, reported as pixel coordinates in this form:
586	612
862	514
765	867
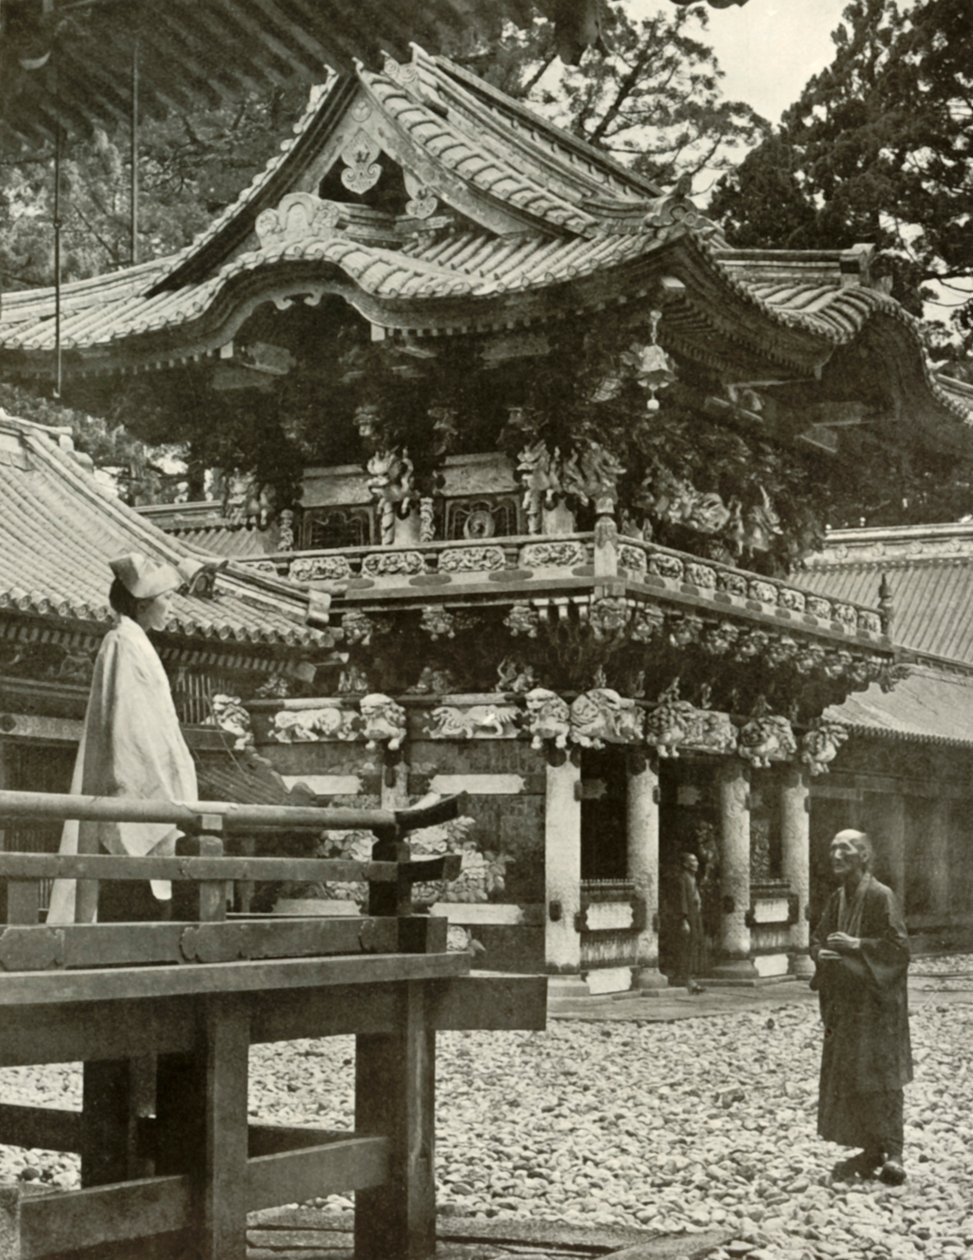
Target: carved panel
324	724
477	721
493	516
342	527
392	563
765	592
788	597
320	568
471	560
663	565
632	558
552	555
731	583
701	575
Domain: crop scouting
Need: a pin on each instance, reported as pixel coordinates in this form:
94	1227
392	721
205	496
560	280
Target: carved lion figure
548	718
303	726
601	716
384	722
819	745
230	716
478	720
765	738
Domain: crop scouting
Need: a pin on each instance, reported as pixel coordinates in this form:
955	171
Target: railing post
395	1084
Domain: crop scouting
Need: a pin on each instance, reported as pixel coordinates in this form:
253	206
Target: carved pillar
406	529
795	826
643	865
562	869
734	952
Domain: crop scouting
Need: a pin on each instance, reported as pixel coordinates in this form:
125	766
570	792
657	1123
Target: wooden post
111	1094
10	1200
395	1084
222	1179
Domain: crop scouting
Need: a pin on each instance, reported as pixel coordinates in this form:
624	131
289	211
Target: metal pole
134	156
57	235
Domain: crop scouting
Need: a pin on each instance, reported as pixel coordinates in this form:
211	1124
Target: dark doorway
604	848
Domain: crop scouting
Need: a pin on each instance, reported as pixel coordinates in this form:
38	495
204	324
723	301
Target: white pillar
562	869
734	961
643	865
795	826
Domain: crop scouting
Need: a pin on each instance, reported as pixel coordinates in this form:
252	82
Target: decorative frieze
818	605
665	566
764	592
632	558
303	726
474	721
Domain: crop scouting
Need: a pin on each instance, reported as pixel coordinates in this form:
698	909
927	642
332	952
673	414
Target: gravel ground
677	1128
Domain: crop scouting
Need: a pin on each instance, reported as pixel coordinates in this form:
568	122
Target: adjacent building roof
59	529
930	706
929	572
504	221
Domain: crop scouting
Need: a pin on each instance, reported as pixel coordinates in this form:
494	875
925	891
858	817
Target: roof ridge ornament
298	216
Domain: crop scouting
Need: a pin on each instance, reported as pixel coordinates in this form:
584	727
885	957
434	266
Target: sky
768	48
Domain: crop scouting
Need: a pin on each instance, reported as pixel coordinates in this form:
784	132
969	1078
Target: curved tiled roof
928	707
534	209
929	572
59	529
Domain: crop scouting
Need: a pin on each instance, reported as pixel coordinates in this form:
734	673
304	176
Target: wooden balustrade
162	1015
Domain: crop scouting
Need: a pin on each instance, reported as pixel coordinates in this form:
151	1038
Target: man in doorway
861	954
690	924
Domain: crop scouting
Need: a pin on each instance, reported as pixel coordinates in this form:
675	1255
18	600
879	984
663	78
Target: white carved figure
230	716
671	723
304	726
483	721
766	738
548	718
391	482
603	716
820	745
384	722
540	475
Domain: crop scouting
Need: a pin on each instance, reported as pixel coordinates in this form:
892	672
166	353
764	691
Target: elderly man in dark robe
861	952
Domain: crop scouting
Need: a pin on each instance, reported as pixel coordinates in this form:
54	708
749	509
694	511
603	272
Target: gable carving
298	216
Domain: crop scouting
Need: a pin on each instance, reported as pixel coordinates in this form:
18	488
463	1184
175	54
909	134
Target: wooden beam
38	948
61	1034
64	1223
490	1002
223	1190
133	983
40	1128
338	1167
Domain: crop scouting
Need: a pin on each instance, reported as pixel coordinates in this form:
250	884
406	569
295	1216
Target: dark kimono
690	958
867	1055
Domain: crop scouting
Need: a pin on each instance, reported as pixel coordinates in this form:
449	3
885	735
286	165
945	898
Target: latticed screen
324	528
193	690
487	517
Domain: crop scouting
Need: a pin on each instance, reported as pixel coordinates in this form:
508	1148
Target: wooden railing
162	1016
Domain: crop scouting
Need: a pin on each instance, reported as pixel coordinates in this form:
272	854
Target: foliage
876	149
653	101
190	167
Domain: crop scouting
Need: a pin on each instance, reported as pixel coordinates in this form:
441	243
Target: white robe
132	745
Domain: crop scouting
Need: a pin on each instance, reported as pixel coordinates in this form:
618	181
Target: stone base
565	989
801	966
734	971
649	980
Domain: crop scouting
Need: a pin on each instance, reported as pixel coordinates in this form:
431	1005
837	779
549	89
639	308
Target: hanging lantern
653	367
